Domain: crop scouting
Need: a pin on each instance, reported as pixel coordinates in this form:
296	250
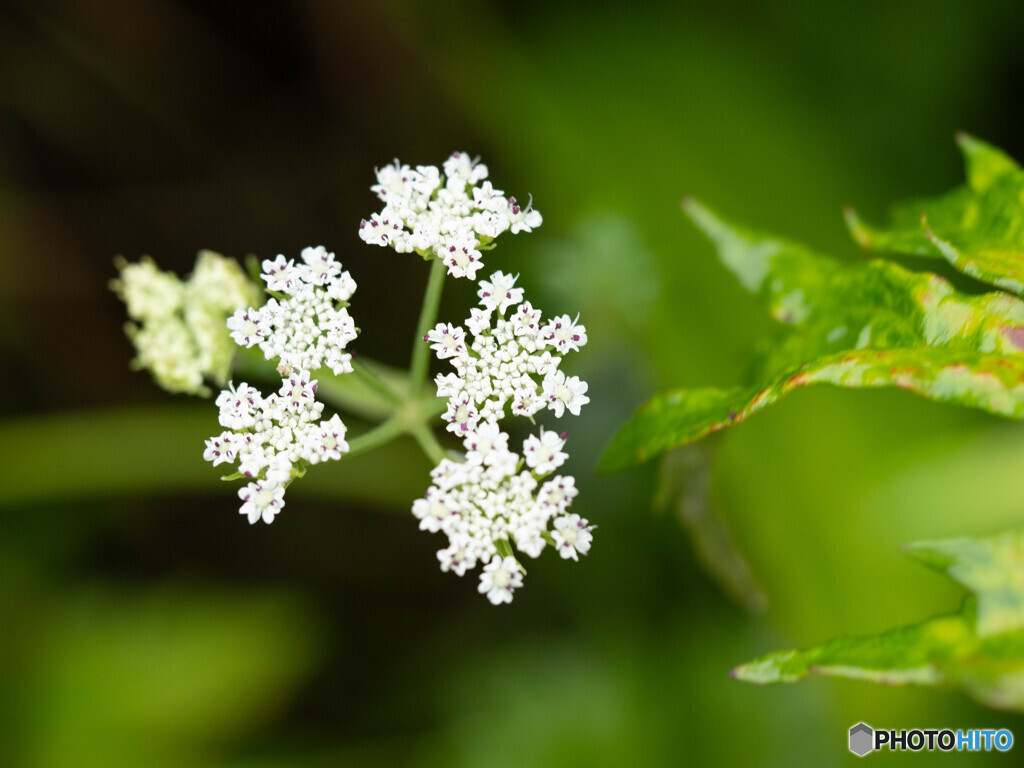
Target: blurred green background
145	624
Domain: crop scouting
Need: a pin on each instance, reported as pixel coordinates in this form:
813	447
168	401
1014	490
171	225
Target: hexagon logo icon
862	739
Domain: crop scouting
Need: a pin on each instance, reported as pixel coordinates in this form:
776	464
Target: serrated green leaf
944	652
989	382
978	228
993	569
871	324
980	649
835	302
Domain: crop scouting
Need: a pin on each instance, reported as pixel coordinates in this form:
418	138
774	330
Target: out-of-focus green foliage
156	126
869	324
159	677
980	649
978	228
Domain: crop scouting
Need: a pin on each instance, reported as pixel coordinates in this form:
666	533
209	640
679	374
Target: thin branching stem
376	437
376	383
428	316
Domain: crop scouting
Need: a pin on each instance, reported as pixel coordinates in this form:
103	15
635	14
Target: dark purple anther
732	415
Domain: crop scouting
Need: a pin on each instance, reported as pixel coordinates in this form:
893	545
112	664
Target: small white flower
297	391
500	578
479	320
487	199
322	266
558	493
486	444
565	334
279	471
222	449
544	454
327	441
262	500
459	556
565	393
460	255
342	287
239	406
448	474
339	362
396	182
462	171
434	510
499	293
280	274
529	541
446	340
246	327
523	219
572	535
381	228
338	327
462	416
526	320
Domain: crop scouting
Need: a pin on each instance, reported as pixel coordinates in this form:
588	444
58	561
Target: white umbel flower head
310	326
274	438
177	326
507	361
450	213
491	501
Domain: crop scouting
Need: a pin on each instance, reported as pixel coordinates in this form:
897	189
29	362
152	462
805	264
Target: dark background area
147	625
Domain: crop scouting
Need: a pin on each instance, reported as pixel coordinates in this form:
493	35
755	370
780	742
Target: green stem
376	383
426	440
428	316
376	437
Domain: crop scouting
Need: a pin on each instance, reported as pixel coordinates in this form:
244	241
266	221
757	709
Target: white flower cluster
270	438
498	497
273	439
178	325
309	326
451	213
513	363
